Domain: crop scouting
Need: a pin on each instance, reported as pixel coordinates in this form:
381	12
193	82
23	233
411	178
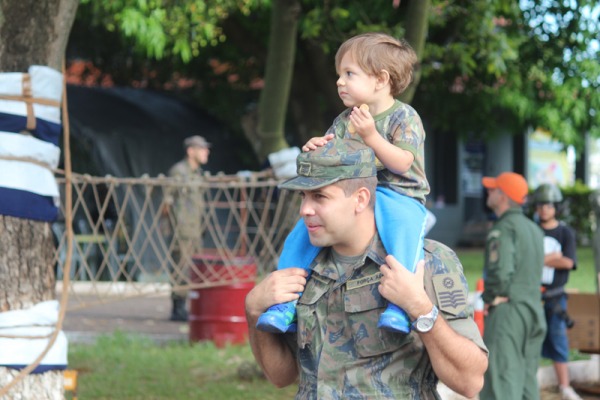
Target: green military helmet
547	193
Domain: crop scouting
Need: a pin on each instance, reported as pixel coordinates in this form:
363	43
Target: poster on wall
472	170
549	161
594	163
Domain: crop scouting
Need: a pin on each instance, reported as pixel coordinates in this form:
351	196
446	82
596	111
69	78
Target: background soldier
187	203
514	325
560	259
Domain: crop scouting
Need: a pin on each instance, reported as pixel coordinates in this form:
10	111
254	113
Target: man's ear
363	197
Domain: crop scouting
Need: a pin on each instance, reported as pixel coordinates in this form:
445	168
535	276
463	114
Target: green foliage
577	211
487	68
163	28
513	67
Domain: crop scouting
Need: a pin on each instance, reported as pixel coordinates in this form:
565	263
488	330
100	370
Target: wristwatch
425	322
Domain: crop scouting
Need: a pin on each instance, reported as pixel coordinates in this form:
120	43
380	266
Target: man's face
546	211
494	197
200	154
329	217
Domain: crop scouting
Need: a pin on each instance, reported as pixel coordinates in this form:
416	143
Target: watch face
424	324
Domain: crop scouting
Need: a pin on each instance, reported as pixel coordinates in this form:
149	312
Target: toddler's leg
297	252
400	222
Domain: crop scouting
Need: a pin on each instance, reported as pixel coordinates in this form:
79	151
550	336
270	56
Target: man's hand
403	288
317	141
279	286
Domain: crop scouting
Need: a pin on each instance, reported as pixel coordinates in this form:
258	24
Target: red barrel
217	313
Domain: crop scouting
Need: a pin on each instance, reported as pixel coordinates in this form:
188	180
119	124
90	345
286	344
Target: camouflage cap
195	141
339	159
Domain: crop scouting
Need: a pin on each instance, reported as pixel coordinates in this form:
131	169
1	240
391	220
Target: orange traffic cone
478	306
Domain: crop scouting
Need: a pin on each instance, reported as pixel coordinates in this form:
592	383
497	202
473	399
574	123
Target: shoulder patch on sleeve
450	293
493	234
493	251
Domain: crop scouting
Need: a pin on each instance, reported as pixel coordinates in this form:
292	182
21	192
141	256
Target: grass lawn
583	279
126	367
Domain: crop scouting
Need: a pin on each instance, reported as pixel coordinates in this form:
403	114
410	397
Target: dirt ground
584	392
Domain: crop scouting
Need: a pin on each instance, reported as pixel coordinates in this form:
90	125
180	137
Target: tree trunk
274	97
32	32
27	278
46	386
26	270
417	25
314	102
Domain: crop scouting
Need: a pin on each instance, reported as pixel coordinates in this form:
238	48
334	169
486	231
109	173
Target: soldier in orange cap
515	325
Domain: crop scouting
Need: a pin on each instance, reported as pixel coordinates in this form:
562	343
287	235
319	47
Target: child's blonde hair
375	52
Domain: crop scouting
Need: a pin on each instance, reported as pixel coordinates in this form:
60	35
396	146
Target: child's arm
317	141
392	157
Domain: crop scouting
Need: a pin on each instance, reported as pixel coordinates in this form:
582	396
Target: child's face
355	86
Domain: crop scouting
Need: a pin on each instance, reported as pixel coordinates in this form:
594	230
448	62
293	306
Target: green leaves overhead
488	66
507	66
164	28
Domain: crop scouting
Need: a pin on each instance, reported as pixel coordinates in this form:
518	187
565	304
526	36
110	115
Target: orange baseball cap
512	184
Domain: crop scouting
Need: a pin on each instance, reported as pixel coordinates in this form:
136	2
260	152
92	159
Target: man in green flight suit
515	324
338	352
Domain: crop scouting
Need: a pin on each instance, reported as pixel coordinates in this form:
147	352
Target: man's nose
306	208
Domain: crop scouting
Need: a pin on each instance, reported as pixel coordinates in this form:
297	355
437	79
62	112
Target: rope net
130	240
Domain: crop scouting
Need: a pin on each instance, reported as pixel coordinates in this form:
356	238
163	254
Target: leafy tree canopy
163	28
487	67
532	64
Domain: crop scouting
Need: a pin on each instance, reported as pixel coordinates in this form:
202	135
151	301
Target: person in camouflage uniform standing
515	324
338	352
187	203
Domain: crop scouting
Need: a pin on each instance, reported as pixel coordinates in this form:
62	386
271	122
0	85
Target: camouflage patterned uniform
341	352
401	126
514	331
188	207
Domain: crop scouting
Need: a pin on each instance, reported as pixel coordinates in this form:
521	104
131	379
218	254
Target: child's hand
318	141
362	122
279	286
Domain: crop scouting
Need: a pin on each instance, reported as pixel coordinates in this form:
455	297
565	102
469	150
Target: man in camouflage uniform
338	352
187	204
515	324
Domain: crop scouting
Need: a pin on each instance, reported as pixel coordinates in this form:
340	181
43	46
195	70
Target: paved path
147	316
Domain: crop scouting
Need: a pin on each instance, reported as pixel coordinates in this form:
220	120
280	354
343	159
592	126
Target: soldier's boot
394	319
279	318
178	312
